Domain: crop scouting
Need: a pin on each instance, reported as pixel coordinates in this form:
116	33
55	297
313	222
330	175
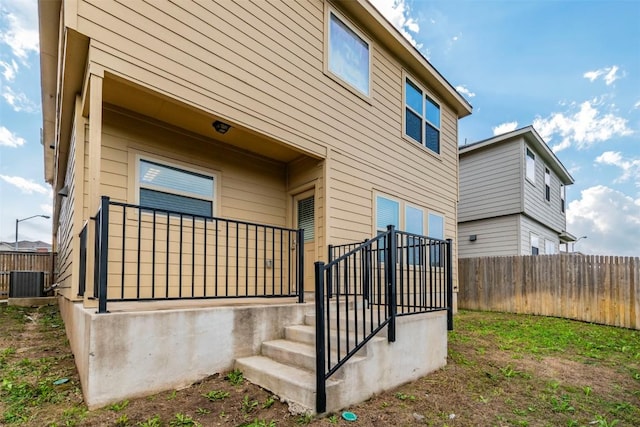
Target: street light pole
573	245
24	219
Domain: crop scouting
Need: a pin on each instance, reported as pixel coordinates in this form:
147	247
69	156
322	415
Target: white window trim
531	246
327	21
433	99
176	165
526	175
563	198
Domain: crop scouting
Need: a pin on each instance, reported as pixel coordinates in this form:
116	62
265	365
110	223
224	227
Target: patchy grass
503	370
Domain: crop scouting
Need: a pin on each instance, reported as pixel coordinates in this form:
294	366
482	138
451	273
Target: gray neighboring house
25	246
512	197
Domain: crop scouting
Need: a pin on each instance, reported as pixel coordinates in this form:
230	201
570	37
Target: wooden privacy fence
592	288
25	261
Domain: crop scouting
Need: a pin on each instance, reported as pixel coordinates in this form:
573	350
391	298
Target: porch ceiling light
221	127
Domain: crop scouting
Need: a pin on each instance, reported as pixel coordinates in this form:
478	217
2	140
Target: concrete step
348	319
292	384
307	334
302	355
292	353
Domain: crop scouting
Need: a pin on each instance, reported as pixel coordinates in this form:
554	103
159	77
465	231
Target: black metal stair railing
365	286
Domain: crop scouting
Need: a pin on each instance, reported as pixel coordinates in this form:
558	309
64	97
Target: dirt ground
486	383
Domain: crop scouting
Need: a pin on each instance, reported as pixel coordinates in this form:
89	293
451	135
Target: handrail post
330	253
321	391
104	250
449	285
391	281
300	256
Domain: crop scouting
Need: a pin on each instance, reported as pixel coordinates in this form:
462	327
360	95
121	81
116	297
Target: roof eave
48	23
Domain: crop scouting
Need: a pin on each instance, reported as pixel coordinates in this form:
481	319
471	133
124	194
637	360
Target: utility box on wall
26	284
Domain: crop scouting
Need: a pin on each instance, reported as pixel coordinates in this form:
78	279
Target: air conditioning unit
26	284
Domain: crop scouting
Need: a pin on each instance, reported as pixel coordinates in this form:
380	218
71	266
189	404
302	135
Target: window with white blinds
387	213
166	187
306	218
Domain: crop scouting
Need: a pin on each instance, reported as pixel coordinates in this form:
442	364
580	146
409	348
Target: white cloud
27	186
19	27
10	139
630	167
582	128
610	219
47	208
10	70
398	13
19	101
504	128
636	105
609	74
465	91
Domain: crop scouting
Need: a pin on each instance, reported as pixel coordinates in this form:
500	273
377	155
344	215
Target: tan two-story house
204	153
512	197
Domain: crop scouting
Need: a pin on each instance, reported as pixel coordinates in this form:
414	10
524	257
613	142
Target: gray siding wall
535	203
528	226
490	182
495	237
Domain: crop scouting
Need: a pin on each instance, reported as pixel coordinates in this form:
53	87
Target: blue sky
571	68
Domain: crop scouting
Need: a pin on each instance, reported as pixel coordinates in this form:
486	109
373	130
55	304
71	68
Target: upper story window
563	190
348	54
166	187
421	117
531	166
547	185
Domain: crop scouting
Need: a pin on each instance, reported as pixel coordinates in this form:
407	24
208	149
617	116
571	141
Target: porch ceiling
156	106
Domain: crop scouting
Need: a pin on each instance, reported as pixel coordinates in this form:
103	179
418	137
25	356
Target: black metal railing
82	270
152	254
363	290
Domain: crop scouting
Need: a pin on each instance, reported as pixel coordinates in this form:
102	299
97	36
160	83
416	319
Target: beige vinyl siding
535	203
528	226
353	189
254	194
261	67
495	237
65	232
490	182
230	70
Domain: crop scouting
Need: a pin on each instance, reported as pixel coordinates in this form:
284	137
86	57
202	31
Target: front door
305	218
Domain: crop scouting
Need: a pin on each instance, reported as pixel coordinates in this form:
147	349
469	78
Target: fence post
300	256
321	391
449	285
390	257
104	250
